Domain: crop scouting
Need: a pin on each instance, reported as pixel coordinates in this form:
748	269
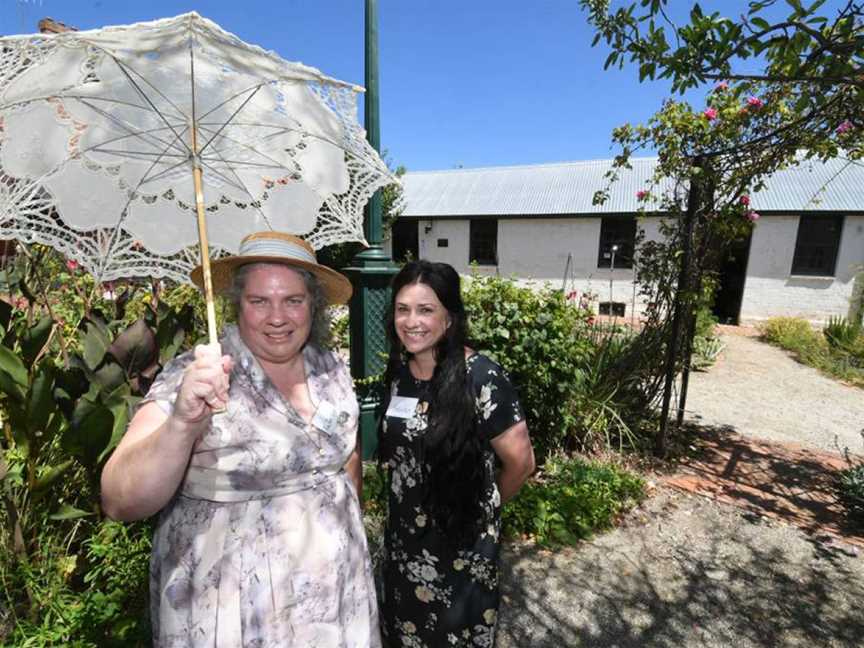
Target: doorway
731	278
405	240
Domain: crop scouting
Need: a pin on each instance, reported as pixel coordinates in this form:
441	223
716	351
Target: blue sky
470	82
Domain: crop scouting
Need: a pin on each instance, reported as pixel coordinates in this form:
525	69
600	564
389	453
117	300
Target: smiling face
420	320
274	313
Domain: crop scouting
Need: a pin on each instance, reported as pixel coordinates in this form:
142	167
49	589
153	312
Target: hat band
276	248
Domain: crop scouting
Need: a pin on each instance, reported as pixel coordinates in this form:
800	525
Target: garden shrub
851	491
75	358
540	339
840	353
569	500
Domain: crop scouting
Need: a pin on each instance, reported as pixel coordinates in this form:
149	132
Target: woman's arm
354	468
148	465
514	449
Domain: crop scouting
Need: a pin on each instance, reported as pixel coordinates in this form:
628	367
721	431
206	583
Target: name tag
325	417
402	407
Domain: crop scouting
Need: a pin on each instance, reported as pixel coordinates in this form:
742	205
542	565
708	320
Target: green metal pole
372	269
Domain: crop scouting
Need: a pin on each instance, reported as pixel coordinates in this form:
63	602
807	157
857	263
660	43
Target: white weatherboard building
805	256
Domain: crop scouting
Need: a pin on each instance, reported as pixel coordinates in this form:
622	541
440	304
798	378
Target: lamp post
372	269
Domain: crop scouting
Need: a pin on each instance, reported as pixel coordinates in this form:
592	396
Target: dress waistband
219	486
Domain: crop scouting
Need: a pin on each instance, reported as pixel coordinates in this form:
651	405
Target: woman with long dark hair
456	446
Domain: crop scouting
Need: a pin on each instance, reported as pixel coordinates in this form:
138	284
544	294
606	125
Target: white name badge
325	417
402	407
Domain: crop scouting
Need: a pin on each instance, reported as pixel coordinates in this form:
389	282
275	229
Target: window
817	245
620	232
483	242
443	242
616	309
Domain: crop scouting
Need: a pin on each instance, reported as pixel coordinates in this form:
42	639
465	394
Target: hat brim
336	286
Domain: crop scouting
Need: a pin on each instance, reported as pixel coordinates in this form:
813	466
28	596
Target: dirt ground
684	570
742	546
760	391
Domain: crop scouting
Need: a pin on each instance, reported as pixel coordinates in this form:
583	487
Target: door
732	275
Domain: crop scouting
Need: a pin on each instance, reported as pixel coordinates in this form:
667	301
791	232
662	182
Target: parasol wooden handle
202	239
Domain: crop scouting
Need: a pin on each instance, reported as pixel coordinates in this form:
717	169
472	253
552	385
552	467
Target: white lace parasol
97	149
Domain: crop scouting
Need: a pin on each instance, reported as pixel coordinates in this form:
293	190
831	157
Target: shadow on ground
685	571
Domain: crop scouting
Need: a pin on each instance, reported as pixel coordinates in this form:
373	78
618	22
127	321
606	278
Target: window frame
626	244
806	244
474	234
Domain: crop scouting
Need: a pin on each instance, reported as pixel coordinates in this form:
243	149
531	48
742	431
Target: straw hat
276	247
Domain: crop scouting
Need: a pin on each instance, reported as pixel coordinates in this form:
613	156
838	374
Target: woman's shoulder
323	360
480	366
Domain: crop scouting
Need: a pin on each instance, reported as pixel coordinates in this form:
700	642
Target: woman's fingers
205	383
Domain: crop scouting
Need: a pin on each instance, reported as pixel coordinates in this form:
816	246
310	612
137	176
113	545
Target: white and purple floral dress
263	545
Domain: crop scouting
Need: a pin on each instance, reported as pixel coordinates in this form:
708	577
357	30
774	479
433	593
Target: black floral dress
434	593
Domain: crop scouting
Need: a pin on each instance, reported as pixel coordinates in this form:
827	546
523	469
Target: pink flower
755	102
710	114
721	86
71	266
641	194
844	127
752	216
744	200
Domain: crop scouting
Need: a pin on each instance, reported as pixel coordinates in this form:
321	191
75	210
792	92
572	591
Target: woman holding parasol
260	540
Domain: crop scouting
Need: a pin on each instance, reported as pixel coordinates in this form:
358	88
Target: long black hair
450	446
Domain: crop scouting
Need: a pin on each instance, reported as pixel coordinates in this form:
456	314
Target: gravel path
684	571
760	391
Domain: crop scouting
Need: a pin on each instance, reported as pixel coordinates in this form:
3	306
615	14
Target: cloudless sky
462	82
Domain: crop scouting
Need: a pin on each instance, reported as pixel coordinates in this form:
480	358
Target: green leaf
121	421
95	344
135	348
68	512
109	376
51	475
34	338
11	364
40	399
89	432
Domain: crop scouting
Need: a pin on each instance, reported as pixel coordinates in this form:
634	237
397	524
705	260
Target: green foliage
609	402
851	490
67	388
816	58
570	500
374	508
539	338
842	334
813	348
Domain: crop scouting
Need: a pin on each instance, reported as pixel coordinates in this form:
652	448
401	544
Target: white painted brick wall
535	251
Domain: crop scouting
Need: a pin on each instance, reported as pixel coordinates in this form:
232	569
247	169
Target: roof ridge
543	165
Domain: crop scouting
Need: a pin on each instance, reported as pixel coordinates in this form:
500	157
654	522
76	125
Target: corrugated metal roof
569	187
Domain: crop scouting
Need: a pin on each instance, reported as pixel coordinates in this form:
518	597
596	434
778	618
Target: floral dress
434	593
263	546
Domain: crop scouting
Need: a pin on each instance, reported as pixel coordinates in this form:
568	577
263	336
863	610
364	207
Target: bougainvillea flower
752	216
744	200
844	127
641	194
710	114
755	102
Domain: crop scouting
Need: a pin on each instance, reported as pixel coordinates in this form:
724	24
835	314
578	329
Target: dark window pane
620	232
816	246
483	248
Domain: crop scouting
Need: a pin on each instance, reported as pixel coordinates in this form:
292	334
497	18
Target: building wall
771	290
535	251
